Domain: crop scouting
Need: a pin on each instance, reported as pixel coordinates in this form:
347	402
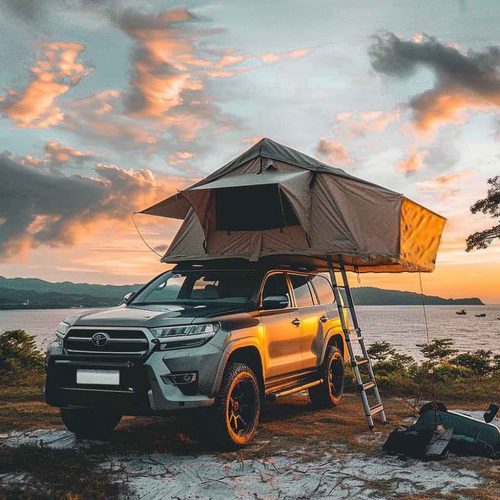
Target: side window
302	290
323	290
276	285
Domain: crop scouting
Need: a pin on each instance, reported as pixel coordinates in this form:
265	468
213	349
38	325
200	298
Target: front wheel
235	415
328	393
90	424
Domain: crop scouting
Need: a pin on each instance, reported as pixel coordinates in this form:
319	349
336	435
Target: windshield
200	287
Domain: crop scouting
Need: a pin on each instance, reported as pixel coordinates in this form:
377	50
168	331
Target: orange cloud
168	86
416	161
272	57
31	161
180	157
56	70
57	154
359	123
332	151
269	57
442	185
433	109
297	53
254	139
96	118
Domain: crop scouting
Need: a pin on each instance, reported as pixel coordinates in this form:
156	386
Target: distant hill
32	293
371	296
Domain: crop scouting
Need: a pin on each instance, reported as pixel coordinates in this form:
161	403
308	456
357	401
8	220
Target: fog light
181	378
184	378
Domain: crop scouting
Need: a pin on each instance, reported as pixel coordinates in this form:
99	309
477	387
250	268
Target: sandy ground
340	474
281	463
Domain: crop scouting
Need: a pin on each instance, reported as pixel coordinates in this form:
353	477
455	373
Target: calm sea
402	326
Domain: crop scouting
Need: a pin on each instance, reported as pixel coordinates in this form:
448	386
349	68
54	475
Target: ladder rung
358	338
376	409
361	362
352	330
368	385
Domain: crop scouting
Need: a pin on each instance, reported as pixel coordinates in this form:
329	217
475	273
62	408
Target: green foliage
496	363
380	351
480	362
18	354
488	206
438	350
441	372
390	367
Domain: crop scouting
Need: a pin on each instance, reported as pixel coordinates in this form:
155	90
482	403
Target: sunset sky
109	106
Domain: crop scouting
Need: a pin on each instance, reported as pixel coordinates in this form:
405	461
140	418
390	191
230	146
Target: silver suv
216	339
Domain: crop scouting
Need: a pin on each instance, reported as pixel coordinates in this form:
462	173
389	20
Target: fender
334	331
231	347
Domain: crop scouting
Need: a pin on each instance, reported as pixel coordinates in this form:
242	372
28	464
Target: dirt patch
297	453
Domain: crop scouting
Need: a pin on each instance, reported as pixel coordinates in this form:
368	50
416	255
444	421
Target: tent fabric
373	228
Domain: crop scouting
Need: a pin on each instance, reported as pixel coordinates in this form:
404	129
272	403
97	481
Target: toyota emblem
100	339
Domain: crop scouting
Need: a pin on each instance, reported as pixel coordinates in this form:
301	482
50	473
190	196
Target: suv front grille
125	342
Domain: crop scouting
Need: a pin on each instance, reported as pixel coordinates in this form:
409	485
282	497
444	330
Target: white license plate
98	377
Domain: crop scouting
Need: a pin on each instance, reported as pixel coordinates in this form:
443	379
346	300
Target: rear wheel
235	415
329	392
90	424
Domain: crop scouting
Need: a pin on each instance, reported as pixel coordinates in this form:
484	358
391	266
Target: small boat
482	315
461	312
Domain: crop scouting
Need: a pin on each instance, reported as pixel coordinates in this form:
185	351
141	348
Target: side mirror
128	296
276	302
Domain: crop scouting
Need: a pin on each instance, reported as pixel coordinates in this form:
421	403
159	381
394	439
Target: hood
153	315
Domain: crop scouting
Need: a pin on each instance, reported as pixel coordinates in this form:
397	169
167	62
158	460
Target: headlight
185	336
62	330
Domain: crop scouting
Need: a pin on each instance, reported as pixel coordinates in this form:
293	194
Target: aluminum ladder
354	335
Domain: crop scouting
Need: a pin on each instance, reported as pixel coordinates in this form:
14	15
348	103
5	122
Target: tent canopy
273	200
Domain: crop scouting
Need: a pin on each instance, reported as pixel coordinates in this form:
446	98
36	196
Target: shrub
438	350
380	351
18	354
480	362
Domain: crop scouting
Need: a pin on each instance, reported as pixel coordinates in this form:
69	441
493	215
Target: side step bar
272	396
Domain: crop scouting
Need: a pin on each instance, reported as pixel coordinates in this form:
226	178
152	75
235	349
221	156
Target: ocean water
402	326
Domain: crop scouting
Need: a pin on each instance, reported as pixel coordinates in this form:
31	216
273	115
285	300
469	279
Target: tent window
252	208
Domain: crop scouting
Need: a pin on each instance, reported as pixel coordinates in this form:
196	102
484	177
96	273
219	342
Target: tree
488	206
479	361
438	350
18	351
380	351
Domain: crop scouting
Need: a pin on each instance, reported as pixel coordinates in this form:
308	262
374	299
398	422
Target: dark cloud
463	80
36	11
39	207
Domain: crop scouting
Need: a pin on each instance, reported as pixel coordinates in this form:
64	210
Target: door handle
296	322
323	319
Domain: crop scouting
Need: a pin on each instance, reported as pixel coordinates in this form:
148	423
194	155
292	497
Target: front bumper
147	385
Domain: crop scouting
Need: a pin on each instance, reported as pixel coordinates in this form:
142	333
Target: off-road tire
240	385
329	392
90	424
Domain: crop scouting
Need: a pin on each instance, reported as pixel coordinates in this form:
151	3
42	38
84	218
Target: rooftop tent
273	201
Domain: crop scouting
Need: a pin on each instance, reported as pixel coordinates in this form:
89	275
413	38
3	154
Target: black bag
408	442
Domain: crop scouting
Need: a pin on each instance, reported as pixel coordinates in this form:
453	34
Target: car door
313	319
281	335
